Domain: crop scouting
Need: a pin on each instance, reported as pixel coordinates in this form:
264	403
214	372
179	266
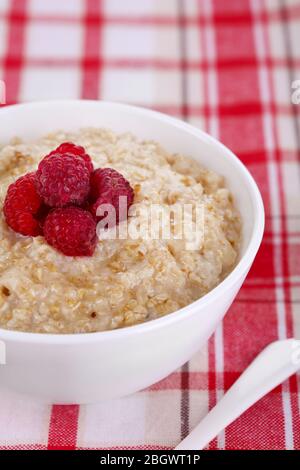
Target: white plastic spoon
272	366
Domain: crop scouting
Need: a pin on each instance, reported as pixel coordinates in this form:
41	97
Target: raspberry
77	150
62	180
107	185
71	230
22	205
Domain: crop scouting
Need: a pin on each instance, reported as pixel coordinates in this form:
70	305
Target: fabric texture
226	67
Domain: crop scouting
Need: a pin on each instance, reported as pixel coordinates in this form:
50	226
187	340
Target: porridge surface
126	281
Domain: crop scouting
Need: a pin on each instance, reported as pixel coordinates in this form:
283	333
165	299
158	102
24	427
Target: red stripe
229	18
284	241
271	285
151	62
285	260
24	447
92	59
206	66
226	110
13	60
241	323
210	380
182	380
63	427
284	247
293	382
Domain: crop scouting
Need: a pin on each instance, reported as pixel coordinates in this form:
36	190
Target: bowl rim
179	315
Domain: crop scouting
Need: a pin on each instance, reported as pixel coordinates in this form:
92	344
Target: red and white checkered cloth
227	67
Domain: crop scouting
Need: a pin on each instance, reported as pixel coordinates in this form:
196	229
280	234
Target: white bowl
86	368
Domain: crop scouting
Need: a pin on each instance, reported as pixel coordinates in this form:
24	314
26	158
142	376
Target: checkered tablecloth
226	66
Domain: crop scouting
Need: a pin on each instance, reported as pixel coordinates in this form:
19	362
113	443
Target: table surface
226	67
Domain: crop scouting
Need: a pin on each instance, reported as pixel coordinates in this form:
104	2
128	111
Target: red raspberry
71	230
22	205
70	148
107	185
62	180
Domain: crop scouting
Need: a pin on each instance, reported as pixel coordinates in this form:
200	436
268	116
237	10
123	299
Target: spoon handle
272	366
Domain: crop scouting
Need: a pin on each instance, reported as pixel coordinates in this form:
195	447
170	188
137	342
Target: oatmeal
127	280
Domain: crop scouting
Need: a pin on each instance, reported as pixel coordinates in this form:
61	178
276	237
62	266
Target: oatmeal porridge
127	280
